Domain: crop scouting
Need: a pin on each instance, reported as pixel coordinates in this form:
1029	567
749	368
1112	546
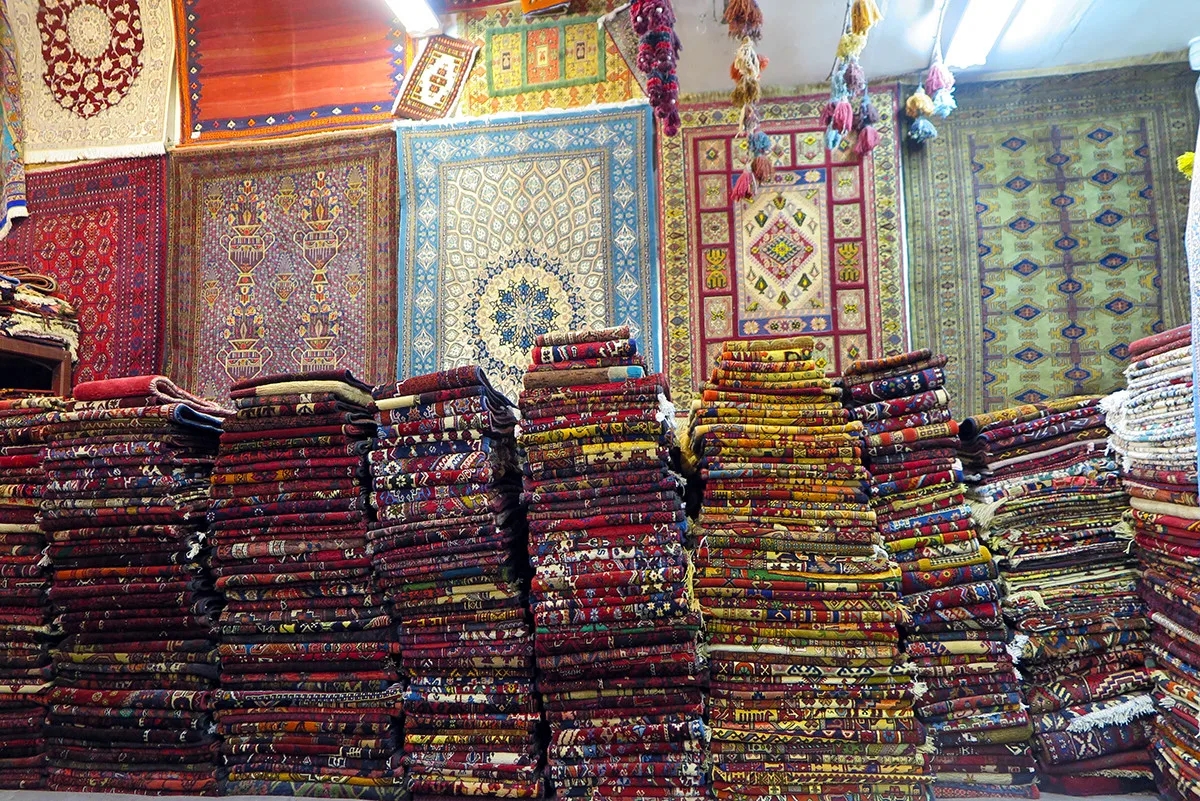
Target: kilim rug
435	81
1045	227
819	251
1192	241
546	63
99	230
95	77
284	259
12	131
512	228
619	25
281	67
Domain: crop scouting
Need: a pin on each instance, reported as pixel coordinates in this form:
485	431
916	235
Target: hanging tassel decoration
744	19
843	115
864	15
918	104
868	140
658	54
943	102
867	113
854	78
939	76
745	187
922	130
851	45
833	138
1186	163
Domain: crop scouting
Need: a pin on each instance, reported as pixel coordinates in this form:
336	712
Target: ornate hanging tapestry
548	63
435	81
284	259
280	67
12	131
95	77
99	229
513	228
1045	227
817	251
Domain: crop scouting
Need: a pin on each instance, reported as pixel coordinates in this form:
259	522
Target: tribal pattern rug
284	259
547	63
95	77
255	70
1045	226
513	228
433	85
818	251
98	229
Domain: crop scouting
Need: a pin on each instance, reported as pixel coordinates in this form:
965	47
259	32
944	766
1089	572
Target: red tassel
745	187
843	116
744	19
827	114
868	140
763	61
763	168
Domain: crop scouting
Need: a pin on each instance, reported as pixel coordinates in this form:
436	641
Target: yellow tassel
918	104
851	45
1185	163
863	16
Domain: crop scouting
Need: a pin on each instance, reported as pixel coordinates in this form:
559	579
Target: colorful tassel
868	140
938	77
759	142
864	15
853	77
744	19
745	187
867	113
851	45
943	102
918	104
833	138
1186	163
922	130
763	168
843	115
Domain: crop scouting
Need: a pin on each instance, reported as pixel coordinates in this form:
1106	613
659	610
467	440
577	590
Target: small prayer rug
432	87
12	131
544	63
284	259
95	77
1045	224
282	67
99	230
818	251
516	227
619	24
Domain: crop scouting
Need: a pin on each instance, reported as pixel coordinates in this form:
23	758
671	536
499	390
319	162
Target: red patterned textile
99	229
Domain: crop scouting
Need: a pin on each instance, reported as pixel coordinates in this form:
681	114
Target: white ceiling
799	37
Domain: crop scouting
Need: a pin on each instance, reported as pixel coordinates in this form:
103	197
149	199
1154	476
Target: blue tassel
833	138
921	130
759	143
943	102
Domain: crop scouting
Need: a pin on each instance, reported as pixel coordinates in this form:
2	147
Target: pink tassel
854	78
827	114
938	77
745	187
843	116
868	140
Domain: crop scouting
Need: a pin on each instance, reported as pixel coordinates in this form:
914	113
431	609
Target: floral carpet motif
515	228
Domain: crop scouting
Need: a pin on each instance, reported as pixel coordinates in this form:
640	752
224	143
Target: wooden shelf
56	360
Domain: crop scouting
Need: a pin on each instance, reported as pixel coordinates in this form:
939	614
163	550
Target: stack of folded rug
127	468
1153	431
956	636
448	547
308	688
1051	502
620	670
31	309
810	694
25	632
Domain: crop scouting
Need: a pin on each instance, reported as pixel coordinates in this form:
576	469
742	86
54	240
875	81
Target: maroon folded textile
344	376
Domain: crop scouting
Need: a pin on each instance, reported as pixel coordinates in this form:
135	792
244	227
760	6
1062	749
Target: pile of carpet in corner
448	547
802	604
956	637
309	692
127	466
25	625
1154	434
620	670
1050	499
